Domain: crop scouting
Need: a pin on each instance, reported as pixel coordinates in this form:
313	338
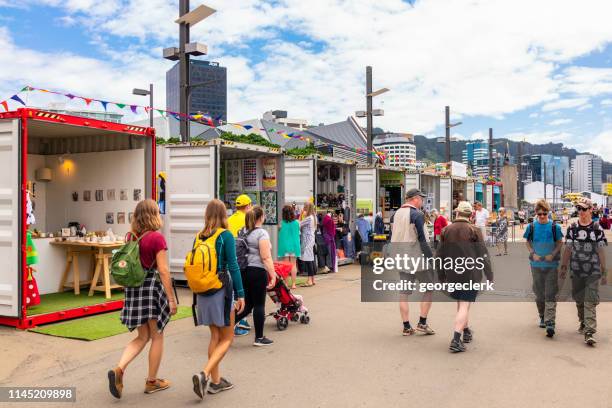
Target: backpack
242	248
125	267
201	265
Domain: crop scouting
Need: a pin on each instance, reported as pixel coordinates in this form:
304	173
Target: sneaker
223	385
263	341
243	324
239	332
468	335
542	323
425	329
157	385
200	384
589	339
581	328
115	382
456	346
550	329
408	331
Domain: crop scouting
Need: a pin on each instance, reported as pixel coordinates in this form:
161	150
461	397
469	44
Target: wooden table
101	255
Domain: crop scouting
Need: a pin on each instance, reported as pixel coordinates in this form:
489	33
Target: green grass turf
96	327
55	302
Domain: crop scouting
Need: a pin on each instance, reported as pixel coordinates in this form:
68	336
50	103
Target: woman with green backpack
148	306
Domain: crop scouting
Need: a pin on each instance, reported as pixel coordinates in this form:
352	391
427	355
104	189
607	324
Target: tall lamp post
448	127
369	113
182	53
144	92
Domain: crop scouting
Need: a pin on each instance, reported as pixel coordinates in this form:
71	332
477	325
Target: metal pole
184	72
563	182
544	182
554	198
369	111
490	152
151	105
448	139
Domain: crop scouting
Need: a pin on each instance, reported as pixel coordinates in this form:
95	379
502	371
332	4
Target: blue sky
513	66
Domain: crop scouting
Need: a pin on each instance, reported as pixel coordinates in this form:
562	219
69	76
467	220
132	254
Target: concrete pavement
351	355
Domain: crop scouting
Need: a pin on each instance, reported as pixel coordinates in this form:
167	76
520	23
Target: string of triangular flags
200	118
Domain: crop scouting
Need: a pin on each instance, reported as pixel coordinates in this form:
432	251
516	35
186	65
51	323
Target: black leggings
255	297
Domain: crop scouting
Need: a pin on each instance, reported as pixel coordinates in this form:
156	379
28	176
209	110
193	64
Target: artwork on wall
130	217
75	196
269	205
99	195
110	194
87	195
110	218
121	218
123	196
230	199
233	175
249	174
254	195
137	194
269	173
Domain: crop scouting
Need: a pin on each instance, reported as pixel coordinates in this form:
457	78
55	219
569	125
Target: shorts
420	276
464	295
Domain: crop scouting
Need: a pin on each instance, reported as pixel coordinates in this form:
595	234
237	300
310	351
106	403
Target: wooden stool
72	260
102	262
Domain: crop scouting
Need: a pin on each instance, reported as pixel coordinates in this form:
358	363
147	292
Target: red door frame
25	115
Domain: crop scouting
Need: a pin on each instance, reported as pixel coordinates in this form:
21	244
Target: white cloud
564	104
606	102
558	122
541	137
600	145
585	107
534	115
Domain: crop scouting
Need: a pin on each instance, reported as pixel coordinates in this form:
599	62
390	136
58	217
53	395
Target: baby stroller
290	306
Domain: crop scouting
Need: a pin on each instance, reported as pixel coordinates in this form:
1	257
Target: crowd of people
582	255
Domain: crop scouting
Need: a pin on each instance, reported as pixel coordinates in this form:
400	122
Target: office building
586	173
399	149
209	99
476	156
555	168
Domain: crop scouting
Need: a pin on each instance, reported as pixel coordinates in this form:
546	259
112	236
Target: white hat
464	208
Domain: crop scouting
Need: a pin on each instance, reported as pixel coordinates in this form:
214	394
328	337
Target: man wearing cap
584	255
235	223
408	226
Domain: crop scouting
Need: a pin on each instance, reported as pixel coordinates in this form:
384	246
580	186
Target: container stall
471	193
489	197
460	190
201	171
446	196
81	178
497	196
380	189
430	185
479	192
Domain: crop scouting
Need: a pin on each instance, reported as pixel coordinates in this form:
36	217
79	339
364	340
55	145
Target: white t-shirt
481	217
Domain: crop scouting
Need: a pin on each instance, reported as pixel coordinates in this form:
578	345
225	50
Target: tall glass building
556	167
209	99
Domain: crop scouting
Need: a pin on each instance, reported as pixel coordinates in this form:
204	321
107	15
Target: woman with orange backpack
215	308
147	307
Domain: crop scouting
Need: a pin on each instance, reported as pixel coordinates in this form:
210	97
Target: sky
539	71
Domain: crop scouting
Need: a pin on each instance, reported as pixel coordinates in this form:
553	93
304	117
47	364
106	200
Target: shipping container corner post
69	145
197	172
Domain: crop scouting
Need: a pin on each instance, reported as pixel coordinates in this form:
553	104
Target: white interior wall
36	162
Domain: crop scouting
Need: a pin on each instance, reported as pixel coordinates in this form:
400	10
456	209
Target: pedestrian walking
521	216
481	219
462	240
544	242
260	274
379	224
289	241
501	234
146	308
215	309
585	258
410	235
308	227
236	223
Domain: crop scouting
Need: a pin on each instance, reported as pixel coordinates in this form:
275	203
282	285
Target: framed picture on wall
110	218
87	195
269	205
99	195
123	196
110	194
130	217
137	194
120	218
75	196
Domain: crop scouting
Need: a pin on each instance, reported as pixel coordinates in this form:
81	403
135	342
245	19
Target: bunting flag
120	105
133	108
147	109
248	127
161	112
5	105
18	99
71	96
87	101
104	103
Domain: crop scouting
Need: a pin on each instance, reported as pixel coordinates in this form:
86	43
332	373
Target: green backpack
125	267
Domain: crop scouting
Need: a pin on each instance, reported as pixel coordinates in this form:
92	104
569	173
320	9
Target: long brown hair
309	209
215	216
146	217
288	214
252	216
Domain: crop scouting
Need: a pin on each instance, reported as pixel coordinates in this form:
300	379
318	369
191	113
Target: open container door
300	180
192	173
10	219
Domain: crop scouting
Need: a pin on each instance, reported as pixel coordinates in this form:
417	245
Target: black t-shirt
585	240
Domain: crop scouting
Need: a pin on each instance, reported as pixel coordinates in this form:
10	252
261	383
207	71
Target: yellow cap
243	200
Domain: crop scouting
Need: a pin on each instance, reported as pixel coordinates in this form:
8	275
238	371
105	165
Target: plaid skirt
146	302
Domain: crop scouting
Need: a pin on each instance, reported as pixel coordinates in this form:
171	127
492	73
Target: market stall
201	171
479	192
380	189
68	187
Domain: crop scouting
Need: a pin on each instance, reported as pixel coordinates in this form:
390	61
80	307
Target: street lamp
447	129
144	92
369	112
186	20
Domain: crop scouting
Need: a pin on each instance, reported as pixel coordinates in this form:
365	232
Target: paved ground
351	355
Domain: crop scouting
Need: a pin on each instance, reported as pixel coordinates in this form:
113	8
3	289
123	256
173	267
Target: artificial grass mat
96	327
55	302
